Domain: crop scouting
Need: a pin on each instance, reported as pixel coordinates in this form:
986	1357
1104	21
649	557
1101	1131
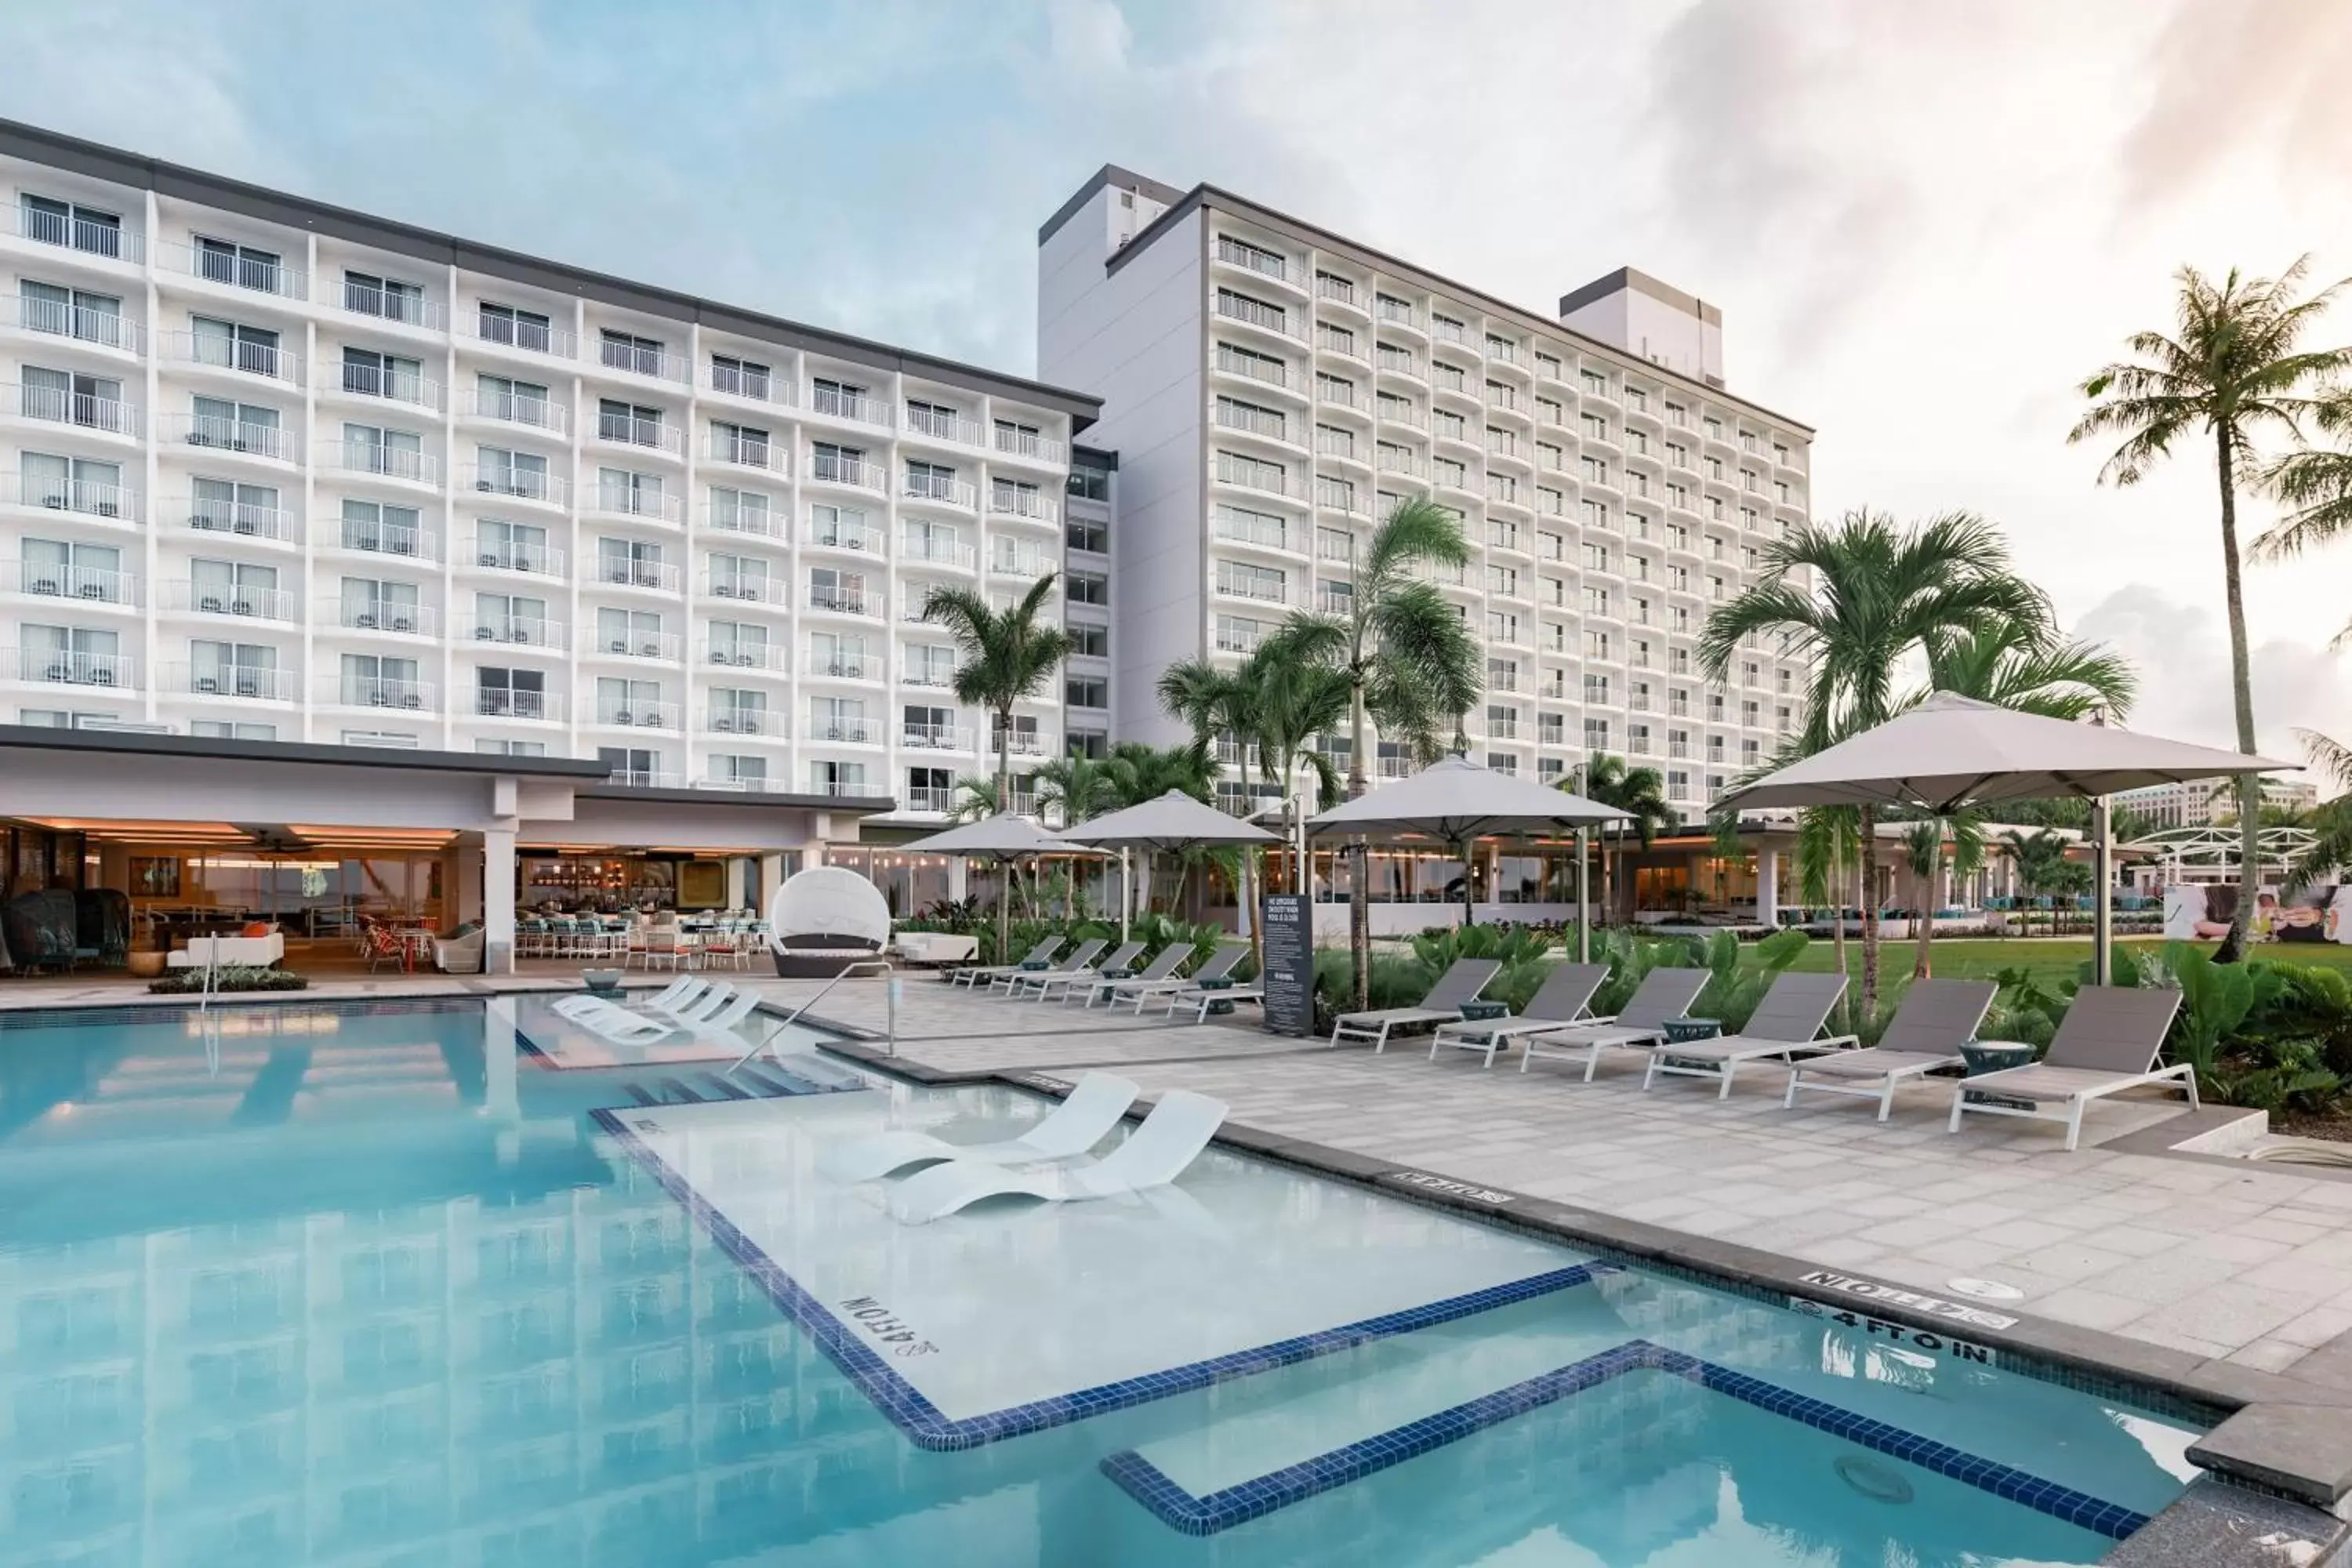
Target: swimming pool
400	1284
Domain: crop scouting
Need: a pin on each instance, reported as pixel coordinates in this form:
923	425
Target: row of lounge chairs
2110	1041
689	1008
1114	979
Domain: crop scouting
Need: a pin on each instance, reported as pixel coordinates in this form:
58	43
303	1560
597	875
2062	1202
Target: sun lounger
1460	984
1039	986
677	994
1139	990
1663	995
718	1026
1153	1155
1102	984
1936	1019
1074	962
2108	1041
1560	999
1789	1019
1072	1128
972	974
607	1016
1201	998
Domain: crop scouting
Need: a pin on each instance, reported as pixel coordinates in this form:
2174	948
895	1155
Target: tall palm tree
2315	483
1641	793
1880	593
1138	772
1411	665
1277	704
1008	655
2233	370
1923	851
1072	788
2331	823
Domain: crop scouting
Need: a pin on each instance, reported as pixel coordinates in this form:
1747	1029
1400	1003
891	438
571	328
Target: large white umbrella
1952	752
999	840
1457	801
1175	821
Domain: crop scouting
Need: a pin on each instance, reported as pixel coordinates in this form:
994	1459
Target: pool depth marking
853	1350
1262	1495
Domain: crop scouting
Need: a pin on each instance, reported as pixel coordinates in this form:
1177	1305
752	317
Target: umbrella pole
1126	894
1583	899
2102	919
1469	911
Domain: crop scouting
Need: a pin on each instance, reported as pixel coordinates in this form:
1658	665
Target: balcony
644	778
98	328
1272	478
835	661
946	425
1273	372
632	430
1395	767
858	473
108	242
211	264
929	676
496	554
744	653
1253	421
661	645
536	413
934	737
57	406
744	587
377	691
1251	586
1397	411
1024	564
847	730
1268	533
1028	444
1339	496
1014	500
1398	312
746	451
1023	743
1336	601
388	539
112	503
400	307
740	719
1400	460
518	483
842	601
245	682
217	434
1340	344
640	501
624	573
522	631
276	524
959	493
627	713
914	545
83	584
266	361
501	702
855	406
758	522
531	337
753	383
230	599
382	462
1264	318
929	797
376	615
644	359
1339	291
840	535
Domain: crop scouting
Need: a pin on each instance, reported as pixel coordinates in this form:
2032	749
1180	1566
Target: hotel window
510	617
1596	600
736	771
741	512
71	313
743	377
1241	307
1335	389
523	402
1781	718
512	546
1451	472
745	444
1780	491
843	400
626	351
391	529
369	681
1677	415
374	375
1637	442
1596	428
1332	286
228	587
1637	399
1088	588
1637	739
1256	258
1677	455
1551	411
1503	580
232	345
1087	533
630	764
1449	425
1548	365
740	645
1501	397
373	605
637	423
628	491
1551	728
71	225
1086	691
1235	414
369	295
1502	626
837	464
1446	377
504	693
1596	643
1596	558
620	701
1088	640
226	730
1596	472
936	419
739	577
509	324
498	471
237	670
1502	674
1596	734
1595	384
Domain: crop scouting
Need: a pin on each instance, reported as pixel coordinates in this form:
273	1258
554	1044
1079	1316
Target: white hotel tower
277	470
1272	388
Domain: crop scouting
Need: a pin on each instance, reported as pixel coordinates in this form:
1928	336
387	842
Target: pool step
712	1087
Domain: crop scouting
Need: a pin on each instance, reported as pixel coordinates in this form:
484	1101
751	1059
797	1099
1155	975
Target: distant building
2198	803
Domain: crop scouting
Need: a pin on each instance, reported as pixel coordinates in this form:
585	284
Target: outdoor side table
1217	1009
1683	1031
1993	1056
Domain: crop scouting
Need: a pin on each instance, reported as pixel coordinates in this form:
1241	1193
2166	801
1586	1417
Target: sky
1925	224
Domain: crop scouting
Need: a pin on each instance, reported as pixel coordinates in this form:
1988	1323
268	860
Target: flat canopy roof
140	743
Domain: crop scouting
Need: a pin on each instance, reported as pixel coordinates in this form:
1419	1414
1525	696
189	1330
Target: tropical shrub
228	977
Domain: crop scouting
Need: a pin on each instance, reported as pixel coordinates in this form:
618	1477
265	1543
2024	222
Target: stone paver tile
2298	1271
2025	1235
1965	1253
1914	1232
2293	1232
2089	1309
2068	1260
2228	1247
2163	1279
2233	1315
2316	1327
2268	1355
2157	1333
1846	1252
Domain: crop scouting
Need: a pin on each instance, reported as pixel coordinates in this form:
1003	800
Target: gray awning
1175	821
1455	801
1001	838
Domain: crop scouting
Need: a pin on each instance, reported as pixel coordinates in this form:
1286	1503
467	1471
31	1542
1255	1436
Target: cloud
2257	85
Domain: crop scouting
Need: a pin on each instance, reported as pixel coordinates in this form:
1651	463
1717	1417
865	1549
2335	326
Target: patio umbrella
999	840
1952	752
1175	821
1457	802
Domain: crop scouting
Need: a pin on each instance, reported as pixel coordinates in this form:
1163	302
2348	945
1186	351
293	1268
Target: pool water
395	1284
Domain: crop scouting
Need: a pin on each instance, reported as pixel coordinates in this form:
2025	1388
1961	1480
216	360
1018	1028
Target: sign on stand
1287	927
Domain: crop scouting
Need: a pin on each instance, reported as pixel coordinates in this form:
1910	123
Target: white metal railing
233	599
1341	290
1271	477
1446	329
859	473
378	615
839	534
1399	460
539	412
929	797
272	522
60	405
634	430
1256	367
388	539
839	663
1028	444
71	666
377	691
844	727
634	574
742	654
745	451
400	305
1334	546
1250	586
1237	253
1400	362
1022	742
946	425
1334	340
235	270
84	496
504	556
930	676
935	737
1337	444
1238	637
110	241
1250	312
1502	351
738	719
1338	495
1014	500
1506	536
856	407
1027	566
106	328
841	600
734	517
960	493
518	483
625	713
1247	529
641	359
759	386
265	359
250	682
918	546
1397	312
642	778
506	702
530	335
383	462
216	434
60	580
528	631
1253	421
750	588
637	501
1335	602
1394	767
1396	411
1502	729
662	646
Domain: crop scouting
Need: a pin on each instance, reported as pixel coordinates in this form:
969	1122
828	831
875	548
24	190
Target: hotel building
271	470
1273	389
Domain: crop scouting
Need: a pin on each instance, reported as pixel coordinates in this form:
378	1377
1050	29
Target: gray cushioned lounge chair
1664	994
1936	1019
1789	1019
1566	992
2108	1041
1457	985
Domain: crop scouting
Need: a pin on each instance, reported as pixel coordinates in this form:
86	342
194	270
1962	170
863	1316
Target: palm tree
1881	592
972	798
1138	772
1923	851
2331	823
1641	793
2316	482
1071	789
1007	655
2233	370
1277	704
1410	663
2042	864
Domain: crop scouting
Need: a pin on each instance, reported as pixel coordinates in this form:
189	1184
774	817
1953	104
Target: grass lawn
2050	959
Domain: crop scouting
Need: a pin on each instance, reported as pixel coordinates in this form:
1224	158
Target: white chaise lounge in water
678	992
719	1027
2108	1041
1789	1019
1071	1128
605	1017
1561	1000
1936	1019
1154	1154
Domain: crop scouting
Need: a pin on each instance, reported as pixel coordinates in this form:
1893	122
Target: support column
1767	889
497	901
958	880
771	876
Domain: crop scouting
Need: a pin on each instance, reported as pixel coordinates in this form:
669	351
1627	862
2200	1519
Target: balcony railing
377	691
744	654
858	473
504	555
238	271
1271	478
935	737
914	545
1398	312
640	359
527	631
1341	290
1253	421
1272	533
1026	565
250	682
1339	495
855	406
929	797
1400	460
757	384
930	677
389	539
1330	602
1274	372
216	434
59	406
530	335
1233	253
632	430
637	500
847	730
1265	318
946	425
623	713
265	359
736	517
271	522
838	663
519	483
662	646
88	585
229	599
959	493
746	451
1023	743
400	305
498	702
842	601
628	574
376	615
1014	500
840	535
110	241
539	412
746	588
101	329
86	496
71	666
1333	341
742	720
849	785
1249	585
1028	444
642	778
382	462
